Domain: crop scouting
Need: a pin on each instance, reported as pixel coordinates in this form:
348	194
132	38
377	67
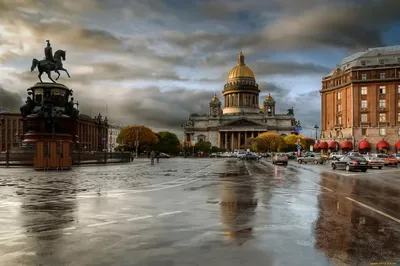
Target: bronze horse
48	66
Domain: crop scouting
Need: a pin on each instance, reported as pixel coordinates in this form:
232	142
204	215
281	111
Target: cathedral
231	124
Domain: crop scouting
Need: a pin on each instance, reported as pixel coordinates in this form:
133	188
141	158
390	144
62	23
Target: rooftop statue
290	111
50	63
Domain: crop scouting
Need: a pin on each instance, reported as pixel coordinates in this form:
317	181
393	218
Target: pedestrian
158	156
152	155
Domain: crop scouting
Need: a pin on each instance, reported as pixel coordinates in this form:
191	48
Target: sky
156	62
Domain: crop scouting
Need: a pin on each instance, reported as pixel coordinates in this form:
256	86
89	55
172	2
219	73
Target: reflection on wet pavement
197	212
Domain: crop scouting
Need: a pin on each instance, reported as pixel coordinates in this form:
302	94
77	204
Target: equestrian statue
50	63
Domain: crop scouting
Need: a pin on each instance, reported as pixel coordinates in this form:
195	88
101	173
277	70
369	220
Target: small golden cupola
269	105
215	106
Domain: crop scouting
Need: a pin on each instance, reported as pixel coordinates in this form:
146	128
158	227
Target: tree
259	145
291	142
168	142
127	137
204	146
271	141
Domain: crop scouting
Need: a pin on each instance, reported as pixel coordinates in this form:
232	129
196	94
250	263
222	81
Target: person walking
158	156
152	155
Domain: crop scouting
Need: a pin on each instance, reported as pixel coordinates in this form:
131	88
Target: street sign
311	148
299	147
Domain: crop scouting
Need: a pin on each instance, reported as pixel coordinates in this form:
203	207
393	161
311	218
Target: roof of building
241	70
378	56
85	117
215	98
4	110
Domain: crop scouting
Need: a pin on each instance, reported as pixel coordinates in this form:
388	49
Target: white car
335	155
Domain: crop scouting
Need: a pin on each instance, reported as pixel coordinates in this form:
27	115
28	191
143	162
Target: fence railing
12	158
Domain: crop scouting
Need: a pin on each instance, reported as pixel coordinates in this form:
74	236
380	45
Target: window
363	76
398	117
382	131
382	61
364	118
339	96
339	120
382	75
363	90
382	90
339	108
398	103
399	132
398	88
363	62
364	131
382	117
364	104
382	103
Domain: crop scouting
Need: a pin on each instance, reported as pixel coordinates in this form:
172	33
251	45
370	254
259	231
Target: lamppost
137	130
316	131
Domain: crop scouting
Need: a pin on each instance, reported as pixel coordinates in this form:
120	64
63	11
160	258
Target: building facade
113	132
11	128
92	132
230	124
360	102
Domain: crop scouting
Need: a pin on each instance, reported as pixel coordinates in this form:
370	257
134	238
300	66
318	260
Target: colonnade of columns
231	140
241	100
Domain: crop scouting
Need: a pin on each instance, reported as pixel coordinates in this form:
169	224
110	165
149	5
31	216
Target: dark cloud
10	100
152	106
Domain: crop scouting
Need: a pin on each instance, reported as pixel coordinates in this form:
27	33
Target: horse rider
48	52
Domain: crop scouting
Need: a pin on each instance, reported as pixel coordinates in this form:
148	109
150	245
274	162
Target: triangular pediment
243	122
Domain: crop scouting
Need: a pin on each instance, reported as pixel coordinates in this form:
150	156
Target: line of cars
356	161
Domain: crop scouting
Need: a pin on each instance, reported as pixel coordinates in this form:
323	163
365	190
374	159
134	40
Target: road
199	212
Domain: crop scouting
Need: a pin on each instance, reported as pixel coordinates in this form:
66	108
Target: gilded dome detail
241	71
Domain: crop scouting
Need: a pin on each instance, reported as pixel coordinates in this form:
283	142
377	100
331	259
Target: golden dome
215	98
269	97
241	70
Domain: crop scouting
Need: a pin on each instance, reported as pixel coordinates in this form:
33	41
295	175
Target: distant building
240	118
92	132
10	130
361	102
4	110
113	132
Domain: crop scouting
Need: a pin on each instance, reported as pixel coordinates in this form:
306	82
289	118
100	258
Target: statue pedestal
49	124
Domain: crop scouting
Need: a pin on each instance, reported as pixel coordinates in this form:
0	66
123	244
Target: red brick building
360	102
92	132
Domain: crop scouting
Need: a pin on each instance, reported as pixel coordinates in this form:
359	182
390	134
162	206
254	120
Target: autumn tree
168	142
258	145
127	137
291	142
203	146
270	141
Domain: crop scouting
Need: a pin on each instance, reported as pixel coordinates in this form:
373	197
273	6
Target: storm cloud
10	100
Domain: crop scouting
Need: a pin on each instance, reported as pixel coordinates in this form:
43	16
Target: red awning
347	145
316	146
323	145
333	145
364	145
382	145
397	145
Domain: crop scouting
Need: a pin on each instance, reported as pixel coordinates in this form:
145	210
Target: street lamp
137	130
316	131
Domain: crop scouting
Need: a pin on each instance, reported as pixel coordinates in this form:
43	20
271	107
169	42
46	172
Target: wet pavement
199	212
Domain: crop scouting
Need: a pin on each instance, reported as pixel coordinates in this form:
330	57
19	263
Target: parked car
291	155
249	156
388	159
214	155
280	158
350	163
335	155
354	153
308	158
164	155
374	161
398	157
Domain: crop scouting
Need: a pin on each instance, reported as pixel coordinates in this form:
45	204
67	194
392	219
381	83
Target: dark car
350	163
164	155
249	156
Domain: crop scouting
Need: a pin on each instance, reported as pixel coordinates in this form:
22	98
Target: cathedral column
245	139
219	140
232	140
226	140
252	134
238	140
